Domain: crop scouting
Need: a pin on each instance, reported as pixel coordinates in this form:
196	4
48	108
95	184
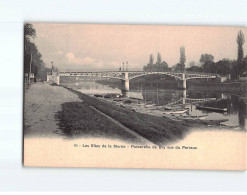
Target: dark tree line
33	62
222	67
225	66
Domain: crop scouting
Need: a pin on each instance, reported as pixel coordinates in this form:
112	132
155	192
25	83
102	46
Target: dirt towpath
42	101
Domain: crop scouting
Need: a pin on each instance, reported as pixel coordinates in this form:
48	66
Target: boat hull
211	109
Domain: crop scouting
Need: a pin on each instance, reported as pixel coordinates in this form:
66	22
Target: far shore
234	87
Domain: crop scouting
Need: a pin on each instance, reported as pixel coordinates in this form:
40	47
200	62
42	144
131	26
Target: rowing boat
211	108
176	111
194	117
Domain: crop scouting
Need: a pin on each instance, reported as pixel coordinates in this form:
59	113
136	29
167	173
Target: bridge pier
125	93
126	82
126	85
184	96
182	82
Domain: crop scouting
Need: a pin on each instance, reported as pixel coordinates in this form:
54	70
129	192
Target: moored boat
98	95
176	111
149	105
211	108
190	117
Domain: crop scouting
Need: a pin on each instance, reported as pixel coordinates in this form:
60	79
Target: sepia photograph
123	96
134	96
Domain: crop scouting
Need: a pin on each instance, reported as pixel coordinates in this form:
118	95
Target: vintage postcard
135	96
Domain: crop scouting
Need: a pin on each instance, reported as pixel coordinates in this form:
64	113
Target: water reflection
235	104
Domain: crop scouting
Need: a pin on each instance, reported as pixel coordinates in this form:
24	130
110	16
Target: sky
99	46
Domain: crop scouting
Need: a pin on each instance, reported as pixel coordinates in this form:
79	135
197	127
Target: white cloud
86	61
71	58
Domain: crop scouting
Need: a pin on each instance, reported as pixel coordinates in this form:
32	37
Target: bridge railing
173	71
188	73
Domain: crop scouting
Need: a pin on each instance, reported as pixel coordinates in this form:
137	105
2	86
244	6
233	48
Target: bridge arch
180	77
156	73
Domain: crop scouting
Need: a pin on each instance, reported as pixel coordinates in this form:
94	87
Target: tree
178	67
209	67
151	59
223	66
194	69
29	32
240	42
192	63
32	57
159	66
163	66
235	70
206	58
243	67
36	61
182	58
150	65
158	59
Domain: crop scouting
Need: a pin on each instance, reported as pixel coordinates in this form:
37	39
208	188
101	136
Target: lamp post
29	79
52	67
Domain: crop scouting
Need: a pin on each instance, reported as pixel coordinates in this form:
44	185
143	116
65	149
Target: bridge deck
123	75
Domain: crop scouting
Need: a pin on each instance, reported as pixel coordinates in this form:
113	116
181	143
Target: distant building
53	76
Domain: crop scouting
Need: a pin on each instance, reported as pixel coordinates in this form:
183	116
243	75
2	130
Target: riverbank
155	129
52	111
41	103
79	119
152	126
237	88
216	148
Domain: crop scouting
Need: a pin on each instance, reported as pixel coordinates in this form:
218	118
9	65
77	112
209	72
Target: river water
236	104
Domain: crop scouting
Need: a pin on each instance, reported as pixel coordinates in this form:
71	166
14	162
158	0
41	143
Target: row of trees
207	64
225	66
163	66
33	62
158	66
181	65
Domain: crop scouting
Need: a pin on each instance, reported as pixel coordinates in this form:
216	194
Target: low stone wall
53	79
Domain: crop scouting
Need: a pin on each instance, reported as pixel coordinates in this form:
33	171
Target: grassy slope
77	118
80	117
